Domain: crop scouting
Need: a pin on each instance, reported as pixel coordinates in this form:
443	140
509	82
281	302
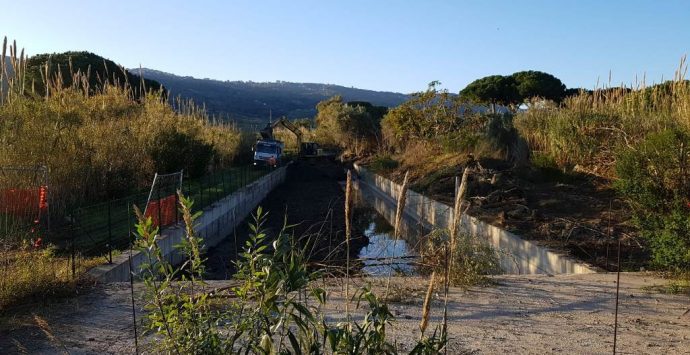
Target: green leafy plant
383	163
470	263
655	178
174	150
179	310
275	308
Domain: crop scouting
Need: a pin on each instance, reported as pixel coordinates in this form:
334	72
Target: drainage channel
385	254
312	199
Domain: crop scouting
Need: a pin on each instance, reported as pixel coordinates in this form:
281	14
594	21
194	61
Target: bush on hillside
588	128
382	163
427	115
450	126
353	127
174	151
655	178
97	70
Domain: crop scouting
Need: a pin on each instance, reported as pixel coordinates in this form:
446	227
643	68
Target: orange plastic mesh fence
24	202
167	209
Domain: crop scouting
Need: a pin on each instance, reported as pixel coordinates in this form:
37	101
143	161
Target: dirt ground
570	314
576	214
527	314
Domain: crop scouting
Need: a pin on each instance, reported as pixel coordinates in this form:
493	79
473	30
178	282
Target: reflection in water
377	255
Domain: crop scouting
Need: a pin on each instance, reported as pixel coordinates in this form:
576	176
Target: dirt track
522	314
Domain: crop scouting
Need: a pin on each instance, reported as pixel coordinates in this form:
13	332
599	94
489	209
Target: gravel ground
529	314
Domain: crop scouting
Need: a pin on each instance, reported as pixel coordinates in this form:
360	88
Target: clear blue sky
383	45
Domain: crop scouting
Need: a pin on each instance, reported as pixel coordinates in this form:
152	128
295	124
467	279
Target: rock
519	212
496	178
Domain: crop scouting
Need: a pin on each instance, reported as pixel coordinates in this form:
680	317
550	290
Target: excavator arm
267	133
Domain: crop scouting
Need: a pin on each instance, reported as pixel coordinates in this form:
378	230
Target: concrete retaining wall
214	225
518	256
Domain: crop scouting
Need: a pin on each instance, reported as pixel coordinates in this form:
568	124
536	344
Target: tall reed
348	232
97	142
399	211
587	129
426	307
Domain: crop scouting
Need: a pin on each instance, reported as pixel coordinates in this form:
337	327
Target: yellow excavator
305	149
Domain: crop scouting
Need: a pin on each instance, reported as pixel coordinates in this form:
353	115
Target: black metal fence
105	228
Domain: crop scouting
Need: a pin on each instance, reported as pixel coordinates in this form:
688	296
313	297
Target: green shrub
588	128
350	126
276	306
383	163
450	123
427	115
654	177
471	262
546	169
502	136
462	141
175	150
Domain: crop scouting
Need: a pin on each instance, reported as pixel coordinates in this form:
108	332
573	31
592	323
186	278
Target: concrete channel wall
517	256
217	222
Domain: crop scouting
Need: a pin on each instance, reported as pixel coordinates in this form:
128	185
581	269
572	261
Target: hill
249	102
100	69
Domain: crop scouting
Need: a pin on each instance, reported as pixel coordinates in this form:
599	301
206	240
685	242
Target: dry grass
27	275
96	143
424	159
588	129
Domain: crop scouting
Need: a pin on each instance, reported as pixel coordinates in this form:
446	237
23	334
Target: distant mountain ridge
249	103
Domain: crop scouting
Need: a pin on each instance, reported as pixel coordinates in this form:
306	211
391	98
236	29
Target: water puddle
384	254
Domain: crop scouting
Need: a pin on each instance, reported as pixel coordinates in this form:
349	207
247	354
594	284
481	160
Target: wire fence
104	229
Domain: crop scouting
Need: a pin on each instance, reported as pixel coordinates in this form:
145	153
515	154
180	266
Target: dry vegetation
589	129
28	275
575	175
99	143
637	138
96	143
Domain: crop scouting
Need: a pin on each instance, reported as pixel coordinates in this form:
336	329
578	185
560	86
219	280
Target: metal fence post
74	269
213	188
222	179
201	192
160	220
189	187
130	240
177	209
110	232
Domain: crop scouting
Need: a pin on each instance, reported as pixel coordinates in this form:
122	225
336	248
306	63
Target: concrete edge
539	259
215	224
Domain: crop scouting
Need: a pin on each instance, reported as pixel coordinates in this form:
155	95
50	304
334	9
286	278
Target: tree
533	83
348	125
514	89
494	89
427	114
574	91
